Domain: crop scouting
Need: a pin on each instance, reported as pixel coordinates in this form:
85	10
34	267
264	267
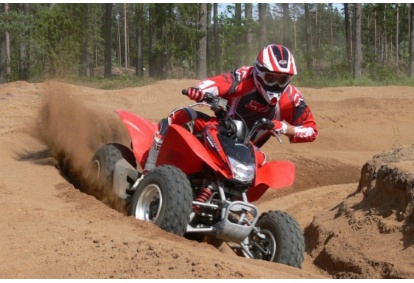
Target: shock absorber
202	196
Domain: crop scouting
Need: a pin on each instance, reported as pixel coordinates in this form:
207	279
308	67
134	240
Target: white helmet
274	69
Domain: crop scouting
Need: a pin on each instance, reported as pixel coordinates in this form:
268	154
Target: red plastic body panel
141	132
273	174
183	150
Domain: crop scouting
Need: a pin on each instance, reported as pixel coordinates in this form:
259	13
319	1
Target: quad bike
204	184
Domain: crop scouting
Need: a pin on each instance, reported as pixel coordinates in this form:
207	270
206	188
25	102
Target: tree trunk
139	11
118	36
385	39
125	36
84	60
397	31
238	43
157	26
7	47
108	41
262	24
375	36
406	48
317	42
331	26
216	40
2	52
202	47
308	38
24	49
295	33
209	47
357	41
248	14
286	24
348	35
152	69
412	41
410	22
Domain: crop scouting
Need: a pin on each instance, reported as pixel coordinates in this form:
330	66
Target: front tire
165	198
283	240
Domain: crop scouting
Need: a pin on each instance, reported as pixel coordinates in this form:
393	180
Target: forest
345	44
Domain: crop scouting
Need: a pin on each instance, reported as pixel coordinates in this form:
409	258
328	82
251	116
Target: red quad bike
204	184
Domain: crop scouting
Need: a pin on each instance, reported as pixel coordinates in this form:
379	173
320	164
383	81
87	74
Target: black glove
230	127
267	124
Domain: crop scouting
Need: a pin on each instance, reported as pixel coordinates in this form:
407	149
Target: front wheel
280	240
165	198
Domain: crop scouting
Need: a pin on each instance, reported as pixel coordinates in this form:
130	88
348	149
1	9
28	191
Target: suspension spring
202	196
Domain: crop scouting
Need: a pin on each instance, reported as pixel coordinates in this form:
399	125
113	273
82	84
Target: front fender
273	174
141	132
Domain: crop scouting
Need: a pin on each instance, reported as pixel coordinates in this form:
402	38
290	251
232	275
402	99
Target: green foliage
59	36
174	33
14	22
54	33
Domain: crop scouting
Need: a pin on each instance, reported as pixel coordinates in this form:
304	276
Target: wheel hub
149	204
263	248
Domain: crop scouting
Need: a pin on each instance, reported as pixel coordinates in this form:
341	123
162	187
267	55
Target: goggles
271	79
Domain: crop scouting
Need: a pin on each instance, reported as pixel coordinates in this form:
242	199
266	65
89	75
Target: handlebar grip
207	96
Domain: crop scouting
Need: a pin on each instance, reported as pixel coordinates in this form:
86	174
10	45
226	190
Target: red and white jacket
239	89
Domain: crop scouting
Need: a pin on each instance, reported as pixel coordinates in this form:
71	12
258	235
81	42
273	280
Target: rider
253	92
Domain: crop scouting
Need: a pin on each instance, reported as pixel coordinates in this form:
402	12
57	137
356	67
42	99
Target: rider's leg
179	117
156	145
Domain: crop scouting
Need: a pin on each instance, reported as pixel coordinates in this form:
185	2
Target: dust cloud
73	132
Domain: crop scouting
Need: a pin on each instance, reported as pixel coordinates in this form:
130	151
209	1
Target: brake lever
277	135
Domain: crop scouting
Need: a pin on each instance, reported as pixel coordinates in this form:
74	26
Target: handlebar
218	105
208	96
264	124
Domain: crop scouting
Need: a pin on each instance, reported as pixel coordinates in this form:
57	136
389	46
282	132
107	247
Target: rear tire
283	243
165	198
101	173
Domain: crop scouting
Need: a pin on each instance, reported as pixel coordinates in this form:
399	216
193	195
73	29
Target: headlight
242	173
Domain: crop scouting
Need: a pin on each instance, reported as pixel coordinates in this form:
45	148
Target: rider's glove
279	127
195	94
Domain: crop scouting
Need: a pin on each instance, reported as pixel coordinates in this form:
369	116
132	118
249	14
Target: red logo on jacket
257	107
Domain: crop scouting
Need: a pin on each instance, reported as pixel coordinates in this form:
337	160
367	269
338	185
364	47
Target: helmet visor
276	78
273	78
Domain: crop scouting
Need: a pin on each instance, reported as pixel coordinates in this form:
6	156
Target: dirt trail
52	230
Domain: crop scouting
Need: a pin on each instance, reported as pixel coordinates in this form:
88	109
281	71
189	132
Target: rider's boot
153	152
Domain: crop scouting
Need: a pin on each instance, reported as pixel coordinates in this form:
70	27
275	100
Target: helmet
274	68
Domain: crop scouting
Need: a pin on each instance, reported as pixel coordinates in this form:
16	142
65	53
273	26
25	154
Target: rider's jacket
239	89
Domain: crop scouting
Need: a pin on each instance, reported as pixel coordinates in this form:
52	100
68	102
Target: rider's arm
297	115
306	132
217	85
227	83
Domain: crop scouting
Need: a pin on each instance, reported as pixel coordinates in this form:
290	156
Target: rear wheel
101	172
281	239
165	198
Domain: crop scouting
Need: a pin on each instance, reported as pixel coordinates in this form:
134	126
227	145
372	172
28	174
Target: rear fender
141	132
183	150
273	174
